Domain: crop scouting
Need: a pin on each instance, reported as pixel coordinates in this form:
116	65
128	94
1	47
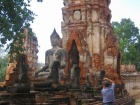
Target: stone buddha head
55	39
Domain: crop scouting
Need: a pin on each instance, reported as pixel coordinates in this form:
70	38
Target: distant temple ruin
30	44
128	68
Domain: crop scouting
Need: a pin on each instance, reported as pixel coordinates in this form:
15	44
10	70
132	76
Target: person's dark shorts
108	103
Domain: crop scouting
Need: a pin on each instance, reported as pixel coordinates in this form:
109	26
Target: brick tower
30	44
88	37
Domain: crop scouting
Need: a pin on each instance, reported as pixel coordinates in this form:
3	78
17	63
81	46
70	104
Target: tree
14	16
3	64
128	36
40	65
138	54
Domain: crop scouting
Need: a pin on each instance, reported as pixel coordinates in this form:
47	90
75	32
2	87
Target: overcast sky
50	16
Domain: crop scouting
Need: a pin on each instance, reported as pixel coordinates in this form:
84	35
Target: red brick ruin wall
30	44
88	24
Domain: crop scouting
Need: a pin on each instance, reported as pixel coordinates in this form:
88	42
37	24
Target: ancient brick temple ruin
86	25
30	44
92	47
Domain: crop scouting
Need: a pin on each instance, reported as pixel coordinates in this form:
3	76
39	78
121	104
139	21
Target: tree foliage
3	64
14	16
129	40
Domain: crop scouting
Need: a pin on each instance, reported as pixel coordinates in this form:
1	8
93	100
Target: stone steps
89	102
60	98
4	103
125	101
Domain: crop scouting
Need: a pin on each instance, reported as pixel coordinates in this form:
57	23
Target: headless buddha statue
21	82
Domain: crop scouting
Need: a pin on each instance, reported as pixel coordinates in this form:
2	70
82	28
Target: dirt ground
137	102
133	88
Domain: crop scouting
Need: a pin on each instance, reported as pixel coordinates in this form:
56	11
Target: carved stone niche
77	15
